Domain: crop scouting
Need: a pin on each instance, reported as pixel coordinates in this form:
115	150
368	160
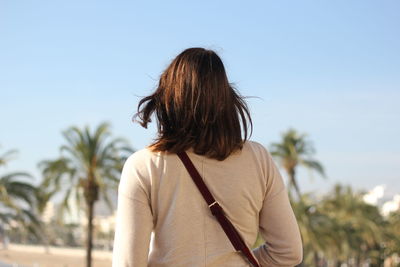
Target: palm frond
313	165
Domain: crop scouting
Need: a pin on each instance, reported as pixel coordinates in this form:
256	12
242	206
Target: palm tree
43	194
359	225
6	157
292	151
392	235
317	229
16	198
88	169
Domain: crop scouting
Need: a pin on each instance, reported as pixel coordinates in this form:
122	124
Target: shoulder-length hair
196	107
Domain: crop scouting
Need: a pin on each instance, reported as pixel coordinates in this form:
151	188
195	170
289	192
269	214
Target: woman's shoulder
142	156
256	147
137	168
147	155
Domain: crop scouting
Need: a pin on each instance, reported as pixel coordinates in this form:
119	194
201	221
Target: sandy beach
36	256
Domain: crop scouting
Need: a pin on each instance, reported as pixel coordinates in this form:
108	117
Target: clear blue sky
327	68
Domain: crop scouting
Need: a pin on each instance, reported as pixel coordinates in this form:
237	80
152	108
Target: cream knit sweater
156	194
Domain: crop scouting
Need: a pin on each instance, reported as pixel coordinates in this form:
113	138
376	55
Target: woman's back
156	193
198	111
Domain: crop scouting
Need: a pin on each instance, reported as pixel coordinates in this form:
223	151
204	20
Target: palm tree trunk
293	182
91	192
316	259
89	240
358	259
45	239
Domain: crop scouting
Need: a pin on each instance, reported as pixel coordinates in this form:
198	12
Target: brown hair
196	107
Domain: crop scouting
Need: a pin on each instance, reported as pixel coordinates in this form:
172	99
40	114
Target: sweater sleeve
277	225
134	221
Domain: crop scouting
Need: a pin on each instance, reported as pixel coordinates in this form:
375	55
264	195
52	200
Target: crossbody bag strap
217	210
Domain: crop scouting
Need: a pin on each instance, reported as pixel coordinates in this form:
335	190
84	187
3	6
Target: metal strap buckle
215	202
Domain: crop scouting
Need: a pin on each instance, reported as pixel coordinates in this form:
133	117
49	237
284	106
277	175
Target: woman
198	111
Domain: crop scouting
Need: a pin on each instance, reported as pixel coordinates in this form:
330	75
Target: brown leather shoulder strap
217	210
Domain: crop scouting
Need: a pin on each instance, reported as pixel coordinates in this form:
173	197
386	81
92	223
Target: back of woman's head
196	107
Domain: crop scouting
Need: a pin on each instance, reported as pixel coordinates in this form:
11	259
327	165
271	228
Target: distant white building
48	213
376	196
392	205
105	224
